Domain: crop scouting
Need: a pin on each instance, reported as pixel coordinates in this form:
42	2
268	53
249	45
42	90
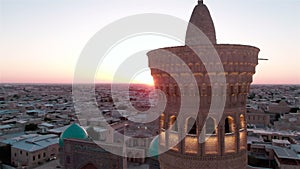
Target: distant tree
47	119
31	127
294	109
251	96
15	96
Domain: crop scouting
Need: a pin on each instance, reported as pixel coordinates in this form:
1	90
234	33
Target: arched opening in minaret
162	135
242	122
162	121
191	126
173	133
210	126
230	139
211	137
173	124
229	125
191	140
242	133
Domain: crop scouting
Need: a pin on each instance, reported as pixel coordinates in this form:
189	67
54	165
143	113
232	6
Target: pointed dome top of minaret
202	20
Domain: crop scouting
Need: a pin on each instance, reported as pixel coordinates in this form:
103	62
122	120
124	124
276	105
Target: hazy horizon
42	40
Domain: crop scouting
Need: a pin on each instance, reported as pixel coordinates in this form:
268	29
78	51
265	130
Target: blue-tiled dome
73	131
153	149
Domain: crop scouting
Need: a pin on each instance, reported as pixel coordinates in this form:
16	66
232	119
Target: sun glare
143	78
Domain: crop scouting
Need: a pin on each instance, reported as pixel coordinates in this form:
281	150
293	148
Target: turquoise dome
153	149
73	131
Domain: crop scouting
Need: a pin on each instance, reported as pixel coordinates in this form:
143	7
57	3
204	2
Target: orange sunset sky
42	40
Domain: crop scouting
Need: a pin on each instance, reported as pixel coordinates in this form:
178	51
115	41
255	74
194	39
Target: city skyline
41	40
134	85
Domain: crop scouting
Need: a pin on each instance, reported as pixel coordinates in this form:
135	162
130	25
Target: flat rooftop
285	153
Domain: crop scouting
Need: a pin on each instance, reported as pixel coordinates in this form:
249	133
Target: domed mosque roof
73	131
200	18
153	148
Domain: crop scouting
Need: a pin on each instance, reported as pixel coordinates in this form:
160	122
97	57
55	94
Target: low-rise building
267	155
32	150
286	158
9	128
77	143
270	134
258	118
290	121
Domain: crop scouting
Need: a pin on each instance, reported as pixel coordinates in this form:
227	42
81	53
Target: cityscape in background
33	117
195	114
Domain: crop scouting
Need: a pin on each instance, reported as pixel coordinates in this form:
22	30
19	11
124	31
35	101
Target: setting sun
143	78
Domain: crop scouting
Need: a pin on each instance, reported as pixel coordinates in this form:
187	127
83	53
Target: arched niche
229	125
173	136
211	137
242	122
191	126
229	138
162	121
173	123
191	139
210	126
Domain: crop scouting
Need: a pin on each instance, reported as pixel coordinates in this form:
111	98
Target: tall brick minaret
225	145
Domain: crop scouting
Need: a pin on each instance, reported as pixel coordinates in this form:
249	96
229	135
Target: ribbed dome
73	131
202	20
153	148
